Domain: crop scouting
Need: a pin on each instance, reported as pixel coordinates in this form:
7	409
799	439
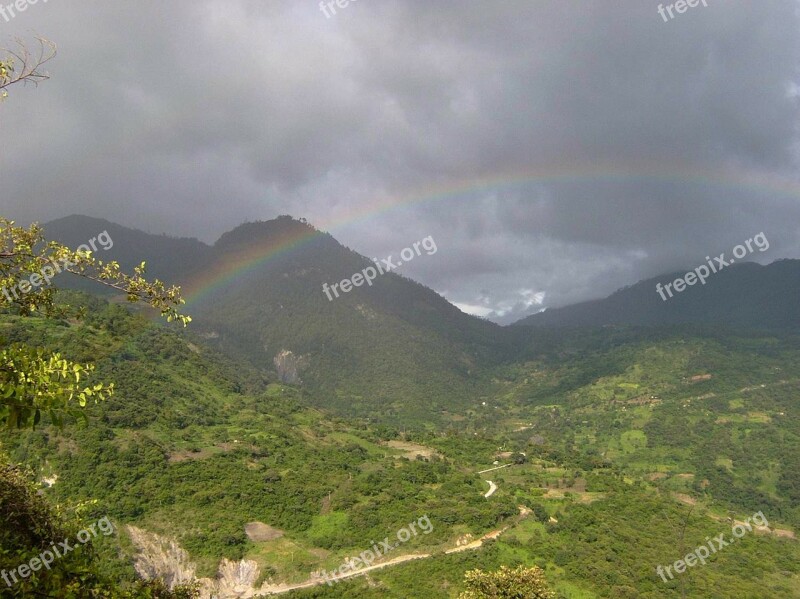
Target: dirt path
285	588
495	468
279	589
479	543
492	489
764	530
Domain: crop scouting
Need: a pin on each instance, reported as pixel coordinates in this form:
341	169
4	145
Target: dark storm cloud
651	142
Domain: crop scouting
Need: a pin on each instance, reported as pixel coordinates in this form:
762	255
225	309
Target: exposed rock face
159	557
163	558
235	579
288	366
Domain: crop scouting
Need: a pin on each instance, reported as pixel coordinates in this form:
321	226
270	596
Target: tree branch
22	66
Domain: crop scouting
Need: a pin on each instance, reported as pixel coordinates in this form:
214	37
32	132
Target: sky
555	150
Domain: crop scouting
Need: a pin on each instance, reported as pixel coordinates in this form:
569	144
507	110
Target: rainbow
239	265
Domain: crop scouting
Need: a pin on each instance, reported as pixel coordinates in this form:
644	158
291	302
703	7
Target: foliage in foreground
32	381
31	526
505	583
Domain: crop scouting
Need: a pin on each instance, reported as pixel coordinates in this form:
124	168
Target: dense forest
605	438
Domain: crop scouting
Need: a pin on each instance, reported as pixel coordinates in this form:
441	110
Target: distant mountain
394	348
742	295
168	258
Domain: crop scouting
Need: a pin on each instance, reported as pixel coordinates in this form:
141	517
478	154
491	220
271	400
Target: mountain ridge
257	294
396	348
747	294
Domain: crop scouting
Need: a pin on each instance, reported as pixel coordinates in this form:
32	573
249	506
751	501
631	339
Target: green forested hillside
168	258
395	349
195	447
707	412
608	436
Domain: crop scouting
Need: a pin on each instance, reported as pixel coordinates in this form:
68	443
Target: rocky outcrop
159	557
234	579
288	366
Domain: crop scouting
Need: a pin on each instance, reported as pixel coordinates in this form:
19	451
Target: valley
414	300
590	447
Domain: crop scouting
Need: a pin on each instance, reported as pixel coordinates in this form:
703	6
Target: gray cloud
593	144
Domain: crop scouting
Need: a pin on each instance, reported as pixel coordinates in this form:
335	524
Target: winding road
285	588
492	489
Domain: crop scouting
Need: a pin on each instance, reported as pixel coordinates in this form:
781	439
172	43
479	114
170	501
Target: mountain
742	295
168	258
293	432
393	348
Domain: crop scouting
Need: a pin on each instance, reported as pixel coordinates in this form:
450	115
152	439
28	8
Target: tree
682	549
33	382
540	513
519	583
21	65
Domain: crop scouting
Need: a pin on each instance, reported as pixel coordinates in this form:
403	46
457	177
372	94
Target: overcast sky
590	144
